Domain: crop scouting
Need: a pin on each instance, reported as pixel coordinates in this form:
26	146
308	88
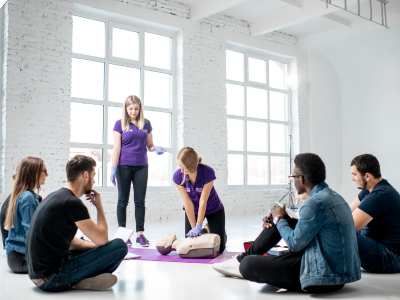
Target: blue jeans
104	259
377	257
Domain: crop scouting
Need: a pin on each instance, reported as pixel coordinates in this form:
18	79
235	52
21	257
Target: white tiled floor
164	280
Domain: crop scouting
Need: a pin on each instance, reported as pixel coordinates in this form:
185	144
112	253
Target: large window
110	62
258	120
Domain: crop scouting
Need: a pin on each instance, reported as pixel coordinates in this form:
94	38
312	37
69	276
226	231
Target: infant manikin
203	246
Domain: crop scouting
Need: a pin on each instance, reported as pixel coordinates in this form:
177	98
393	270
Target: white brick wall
37	104
37	69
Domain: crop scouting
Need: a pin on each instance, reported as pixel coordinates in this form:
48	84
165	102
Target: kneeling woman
194	181
19	208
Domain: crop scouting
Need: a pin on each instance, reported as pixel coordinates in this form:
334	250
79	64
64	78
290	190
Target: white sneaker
228	268
98	283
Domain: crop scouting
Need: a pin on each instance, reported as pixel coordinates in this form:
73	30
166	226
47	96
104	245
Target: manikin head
309	170
81	171
365	171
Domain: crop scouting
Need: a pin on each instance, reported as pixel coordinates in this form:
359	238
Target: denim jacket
27	203
326	233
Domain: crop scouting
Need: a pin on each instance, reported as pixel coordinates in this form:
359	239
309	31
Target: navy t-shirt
383	205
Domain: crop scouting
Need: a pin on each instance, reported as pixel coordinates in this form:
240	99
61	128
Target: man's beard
88	188
364	184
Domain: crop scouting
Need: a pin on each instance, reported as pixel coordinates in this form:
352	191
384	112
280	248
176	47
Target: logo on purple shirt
199	189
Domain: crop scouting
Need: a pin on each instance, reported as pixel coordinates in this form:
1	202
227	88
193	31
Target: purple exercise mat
154	255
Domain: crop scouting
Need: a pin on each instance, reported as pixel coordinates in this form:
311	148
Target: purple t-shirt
205	174
133	144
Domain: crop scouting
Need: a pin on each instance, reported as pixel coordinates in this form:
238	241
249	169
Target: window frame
109	59
247	83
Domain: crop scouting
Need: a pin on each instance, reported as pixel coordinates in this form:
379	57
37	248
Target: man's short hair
77	165
367	163
312	166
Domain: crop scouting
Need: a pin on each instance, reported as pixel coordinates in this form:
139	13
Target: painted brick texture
37	103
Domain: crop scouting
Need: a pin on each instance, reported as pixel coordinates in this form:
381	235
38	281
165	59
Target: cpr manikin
203	246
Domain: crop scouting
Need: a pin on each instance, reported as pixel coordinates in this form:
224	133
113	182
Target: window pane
235	169
257	70
279	138
257	170
157	90
88	36
257	103
235	99
87	79
86	123
159	171
114	114
161	124
97	155
277	73
257	133
157	51
278	106
235	134
279	167
234	65
123	82
125	44
109	161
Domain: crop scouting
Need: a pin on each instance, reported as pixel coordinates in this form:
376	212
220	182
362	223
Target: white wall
367	70
326	116
36	108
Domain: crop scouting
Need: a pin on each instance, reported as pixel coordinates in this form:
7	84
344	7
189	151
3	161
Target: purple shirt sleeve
177	178
148	127
208	175
118	127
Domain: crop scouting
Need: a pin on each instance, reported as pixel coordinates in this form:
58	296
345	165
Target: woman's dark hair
77	165
312	166
367	163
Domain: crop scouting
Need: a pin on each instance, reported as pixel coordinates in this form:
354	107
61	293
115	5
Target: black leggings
17	262
138	176
216	224
281	271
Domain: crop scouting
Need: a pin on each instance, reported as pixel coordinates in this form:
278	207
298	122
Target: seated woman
323	252
18	209
195	183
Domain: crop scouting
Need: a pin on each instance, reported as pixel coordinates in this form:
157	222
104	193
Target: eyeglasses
294	176
45	171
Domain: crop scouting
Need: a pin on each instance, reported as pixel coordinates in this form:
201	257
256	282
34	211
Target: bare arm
203	202
81	245
355	204
117	149
150	144
361	219
189	207
97	233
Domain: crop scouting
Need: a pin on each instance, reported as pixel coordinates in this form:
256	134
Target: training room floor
175	281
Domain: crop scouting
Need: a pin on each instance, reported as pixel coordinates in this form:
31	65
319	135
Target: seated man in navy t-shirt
376	213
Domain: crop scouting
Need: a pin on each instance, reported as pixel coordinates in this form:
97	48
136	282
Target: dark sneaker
129	242
98	283
205	229
142	241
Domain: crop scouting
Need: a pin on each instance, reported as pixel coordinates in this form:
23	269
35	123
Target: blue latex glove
159	150
195	231
112	176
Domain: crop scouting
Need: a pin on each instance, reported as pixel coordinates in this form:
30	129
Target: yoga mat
154	255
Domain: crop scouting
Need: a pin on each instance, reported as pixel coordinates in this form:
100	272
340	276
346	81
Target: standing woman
195	183
133	136
18	209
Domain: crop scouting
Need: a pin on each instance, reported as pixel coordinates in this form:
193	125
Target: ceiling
306	19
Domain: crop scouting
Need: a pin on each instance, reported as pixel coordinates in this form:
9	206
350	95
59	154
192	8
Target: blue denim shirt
27	203
327	234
